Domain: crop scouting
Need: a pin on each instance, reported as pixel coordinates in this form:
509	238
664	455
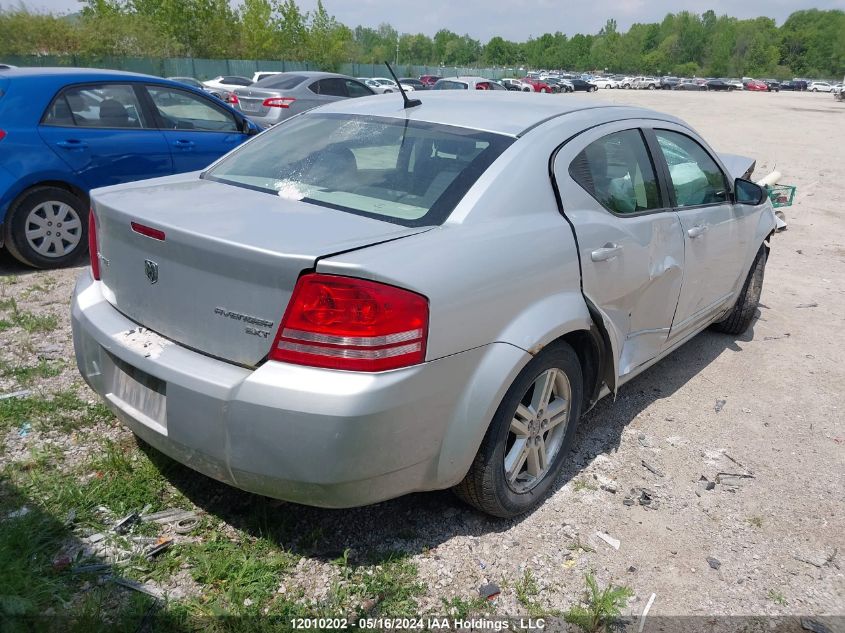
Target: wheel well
59	184
589	346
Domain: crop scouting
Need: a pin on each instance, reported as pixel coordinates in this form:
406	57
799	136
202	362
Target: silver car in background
370	300
467	83
283	95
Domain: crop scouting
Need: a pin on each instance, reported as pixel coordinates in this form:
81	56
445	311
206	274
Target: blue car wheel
47	227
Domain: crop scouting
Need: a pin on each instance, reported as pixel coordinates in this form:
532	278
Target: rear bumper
313	436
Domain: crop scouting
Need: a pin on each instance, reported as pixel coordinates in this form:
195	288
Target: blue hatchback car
65	131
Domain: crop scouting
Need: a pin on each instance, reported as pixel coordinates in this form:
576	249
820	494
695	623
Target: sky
513	19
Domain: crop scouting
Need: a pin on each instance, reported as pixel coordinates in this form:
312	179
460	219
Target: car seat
113	114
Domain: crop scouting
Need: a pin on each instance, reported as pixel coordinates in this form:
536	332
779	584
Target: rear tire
47	227
742	314
524	436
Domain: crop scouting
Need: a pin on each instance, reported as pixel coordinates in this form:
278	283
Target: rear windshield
281	82
406	172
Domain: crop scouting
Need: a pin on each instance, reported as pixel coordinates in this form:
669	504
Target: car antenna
409	103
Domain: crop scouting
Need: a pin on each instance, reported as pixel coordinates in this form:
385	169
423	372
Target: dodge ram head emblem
151	269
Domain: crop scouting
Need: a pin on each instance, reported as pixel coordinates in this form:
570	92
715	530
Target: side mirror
747	192
249	128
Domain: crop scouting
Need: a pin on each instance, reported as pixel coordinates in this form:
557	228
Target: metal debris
18	513
89	569
614	543
137	586
732	479
163	544
645	612
704	484
23	393
126	523
652	468
489	591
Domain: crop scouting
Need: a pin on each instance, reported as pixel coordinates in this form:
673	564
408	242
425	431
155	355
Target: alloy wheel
537	430
53	229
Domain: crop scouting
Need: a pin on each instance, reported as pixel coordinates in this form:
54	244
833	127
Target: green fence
164	67
207	68
403	70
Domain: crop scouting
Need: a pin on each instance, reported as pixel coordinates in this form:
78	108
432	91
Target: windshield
406	172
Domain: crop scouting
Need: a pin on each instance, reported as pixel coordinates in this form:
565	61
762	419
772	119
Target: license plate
140	391
250	106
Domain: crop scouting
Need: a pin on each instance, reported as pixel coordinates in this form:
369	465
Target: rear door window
112	106
617	171
332	87
445	84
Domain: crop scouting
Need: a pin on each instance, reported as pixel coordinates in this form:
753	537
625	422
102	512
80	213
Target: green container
781	195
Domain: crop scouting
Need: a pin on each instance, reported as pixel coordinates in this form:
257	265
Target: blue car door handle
72	144
184	144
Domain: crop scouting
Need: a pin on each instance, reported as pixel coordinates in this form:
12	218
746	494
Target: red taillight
92	245
232	98
279	102
148	231
345	323
2	134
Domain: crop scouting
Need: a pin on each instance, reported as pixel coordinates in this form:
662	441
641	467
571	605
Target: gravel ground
745	514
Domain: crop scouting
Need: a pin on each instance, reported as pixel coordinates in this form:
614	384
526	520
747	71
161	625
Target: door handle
72	144
697	230
606	252
184	144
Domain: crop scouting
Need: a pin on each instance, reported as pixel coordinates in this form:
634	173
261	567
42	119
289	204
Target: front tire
742	314
529	438
47	227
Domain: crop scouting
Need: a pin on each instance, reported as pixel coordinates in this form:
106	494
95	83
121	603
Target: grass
580	485
45	285
601	606
63	410
777	597
527	590
462	608
26	374
391	584
237	570
29	322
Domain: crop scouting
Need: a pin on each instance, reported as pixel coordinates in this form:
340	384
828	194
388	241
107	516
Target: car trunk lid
220	279
251	100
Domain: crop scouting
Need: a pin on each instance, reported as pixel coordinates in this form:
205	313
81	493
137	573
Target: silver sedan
362	303
281	96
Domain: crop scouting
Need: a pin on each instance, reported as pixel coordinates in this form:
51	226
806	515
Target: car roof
81	73
502	112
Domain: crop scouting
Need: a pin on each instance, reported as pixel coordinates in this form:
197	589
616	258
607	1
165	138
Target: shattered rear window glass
407	172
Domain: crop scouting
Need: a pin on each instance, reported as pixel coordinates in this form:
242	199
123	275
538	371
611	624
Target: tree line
809	43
